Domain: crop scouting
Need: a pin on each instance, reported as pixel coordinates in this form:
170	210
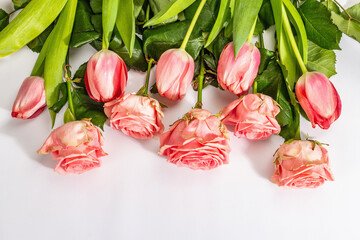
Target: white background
136	194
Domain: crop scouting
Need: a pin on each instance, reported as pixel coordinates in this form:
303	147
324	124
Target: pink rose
301	163
136	116
254	116
106	76
76	145
319	99
237	75
198	141
174	73
30	100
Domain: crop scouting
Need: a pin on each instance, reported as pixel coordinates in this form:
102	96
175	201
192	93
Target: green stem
249	38
148	75
255	87
71	105
200	83
292	40
192	24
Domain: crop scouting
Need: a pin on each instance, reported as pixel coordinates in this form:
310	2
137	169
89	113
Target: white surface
136	194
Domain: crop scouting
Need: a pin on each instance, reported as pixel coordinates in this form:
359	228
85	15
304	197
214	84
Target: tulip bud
30	100
174	73
106	76
319	99
237	75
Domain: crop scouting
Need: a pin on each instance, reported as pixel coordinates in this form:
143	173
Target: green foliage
321	60
349	26
20	3
37	44
125	23
4	19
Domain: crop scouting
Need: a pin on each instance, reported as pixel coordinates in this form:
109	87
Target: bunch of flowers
189	47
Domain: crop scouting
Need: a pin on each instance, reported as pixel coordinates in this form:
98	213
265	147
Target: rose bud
136	116
174	73
30	100
106	76
198	141
254	116
237	75
76	146
319	99
301	163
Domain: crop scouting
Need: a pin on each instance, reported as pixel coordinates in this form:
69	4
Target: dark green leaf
157	5
218	45
87	108
37	44
96	6
171	9
210	62
4	19
20	3
158	40
292	130
207	17
269	82
80	73
259	28
266	56
62	100
321	60
331	6
138	4
319	27
245	14
96	21
266	15
83	32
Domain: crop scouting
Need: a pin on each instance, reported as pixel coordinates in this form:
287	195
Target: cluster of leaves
147	28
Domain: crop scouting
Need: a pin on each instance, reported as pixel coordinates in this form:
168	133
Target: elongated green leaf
109	14
38	69
138	4
299	27
245	14
321	60
319	26
125	23
170	10
220	20
4	19
56	54
30	22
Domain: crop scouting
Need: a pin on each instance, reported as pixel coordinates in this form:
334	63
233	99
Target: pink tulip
174	73
77	146
30	100
198	141
106	76
237	75
254	116
136	116
319	99
301	163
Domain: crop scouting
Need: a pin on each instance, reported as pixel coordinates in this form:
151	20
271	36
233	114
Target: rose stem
146	86
200	82
292	41
192	24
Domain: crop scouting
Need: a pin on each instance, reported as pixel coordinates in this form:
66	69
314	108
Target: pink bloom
76	145
136	116
106	76
198	141
30	100
174	73
319	99
254	116
237	75
301	163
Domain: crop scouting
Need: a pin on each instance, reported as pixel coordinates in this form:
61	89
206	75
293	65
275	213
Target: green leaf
245	14
292	130
20	3
56	54
30	22
125	23
158	40
4	19
319	26
218	45
109	14
331	6
157	5
220	21
96	6
68	116
87	108
266	15
170	10
321	60
138	4
350	27
62	100
266	57
207	16
83	31
37	44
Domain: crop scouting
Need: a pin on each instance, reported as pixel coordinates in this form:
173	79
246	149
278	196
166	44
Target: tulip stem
255	86
251	34
293	41
200	83
192	24
148	75
71	105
